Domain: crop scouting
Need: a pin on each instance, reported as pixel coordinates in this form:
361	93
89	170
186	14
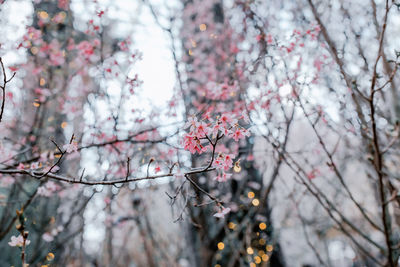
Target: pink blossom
223	161
86	49
58	18
223	177
318	64
225	119
51	186
245	117
100	13
107	200
57	58
47	237
123	46
239	133
7	181
63	4
269	39
43	93
18	241
35	165
96	42
48	189
192	143
13	69
313	174
42	191
202	129
157	169
222	213
192	123
72	147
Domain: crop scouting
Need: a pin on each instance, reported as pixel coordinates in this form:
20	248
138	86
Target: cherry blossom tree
278	145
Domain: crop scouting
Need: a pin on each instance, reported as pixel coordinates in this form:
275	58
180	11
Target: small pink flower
239	133
86	49
192	143
107	200
35	165
224	161
18	241
57	58
21	166
313	174
202	129
69	148
48	189
47	237
157	169
192	123
100	13
51	186
58	18
270	40
222	213
63	4
225	119
42	191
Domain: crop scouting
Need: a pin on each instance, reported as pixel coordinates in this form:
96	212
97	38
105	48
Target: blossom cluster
49	236
204	134
18	241
48	189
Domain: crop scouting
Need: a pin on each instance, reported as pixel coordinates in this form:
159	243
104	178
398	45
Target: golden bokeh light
43	14
237	167
251	194
265	257
255	202
50	256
